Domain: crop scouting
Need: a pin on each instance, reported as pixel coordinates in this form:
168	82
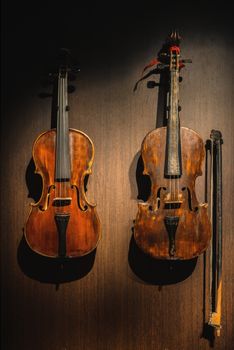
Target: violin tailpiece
61	223
171	223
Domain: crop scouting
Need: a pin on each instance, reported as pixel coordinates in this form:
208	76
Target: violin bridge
61	201
172	204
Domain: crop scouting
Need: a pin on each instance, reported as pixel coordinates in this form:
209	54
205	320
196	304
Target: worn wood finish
193	233
83	229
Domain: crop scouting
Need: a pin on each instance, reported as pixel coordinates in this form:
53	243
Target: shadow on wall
53	270
158	272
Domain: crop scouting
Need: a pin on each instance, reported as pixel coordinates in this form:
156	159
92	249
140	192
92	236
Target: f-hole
189	199
47	200
159	194
78	199
158	199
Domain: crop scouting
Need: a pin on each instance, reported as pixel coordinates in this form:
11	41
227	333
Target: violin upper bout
82	156
193	152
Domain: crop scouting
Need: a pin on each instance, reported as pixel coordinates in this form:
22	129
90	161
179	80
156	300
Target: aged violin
171	224
63	223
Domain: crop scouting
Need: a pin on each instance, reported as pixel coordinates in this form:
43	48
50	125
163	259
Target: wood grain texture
83	228
193	231
111	308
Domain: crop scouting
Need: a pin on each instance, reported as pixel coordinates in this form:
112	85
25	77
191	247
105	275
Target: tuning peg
162	66
51	77
151	84
174	36
75	69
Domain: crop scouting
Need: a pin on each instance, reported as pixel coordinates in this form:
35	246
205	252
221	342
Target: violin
172	224
63	223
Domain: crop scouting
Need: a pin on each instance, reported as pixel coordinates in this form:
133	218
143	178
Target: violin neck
173	146
62	166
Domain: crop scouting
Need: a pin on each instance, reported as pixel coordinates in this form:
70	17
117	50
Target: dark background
112	306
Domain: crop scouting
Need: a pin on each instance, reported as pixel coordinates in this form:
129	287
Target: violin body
193	231
80	233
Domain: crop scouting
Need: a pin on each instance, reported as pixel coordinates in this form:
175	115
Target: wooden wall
115	299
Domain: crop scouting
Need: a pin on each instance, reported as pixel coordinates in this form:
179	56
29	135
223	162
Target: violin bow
216	243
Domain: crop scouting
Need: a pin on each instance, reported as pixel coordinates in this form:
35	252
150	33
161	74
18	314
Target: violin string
57	137
174	193
63	145
60	150
171	199
178	181
171	193
60	119
59	131
63	128
56	140
64	125
68	140
172	188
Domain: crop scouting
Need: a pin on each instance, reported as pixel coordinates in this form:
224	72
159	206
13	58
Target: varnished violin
63	223
172	224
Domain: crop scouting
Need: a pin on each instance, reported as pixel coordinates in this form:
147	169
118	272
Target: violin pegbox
169	56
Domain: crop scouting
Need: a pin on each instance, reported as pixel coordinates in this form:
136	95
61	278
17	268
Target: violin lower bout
192	234
81	234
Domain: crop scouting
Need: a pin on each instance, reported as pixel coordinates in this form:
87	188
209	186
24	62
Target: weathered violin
63	223
171	224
